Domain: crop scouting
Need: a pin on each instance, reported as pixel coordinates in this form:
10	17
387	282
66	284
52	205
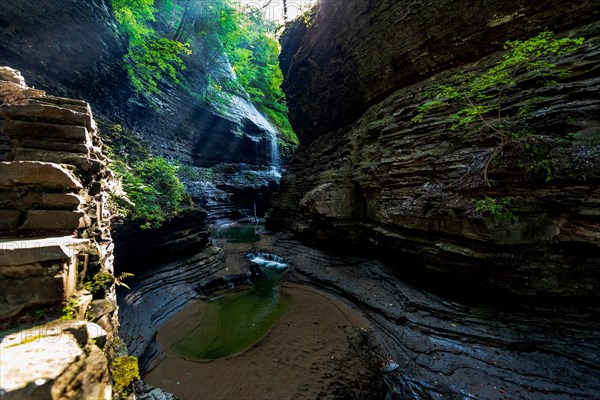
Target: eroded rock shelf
450	348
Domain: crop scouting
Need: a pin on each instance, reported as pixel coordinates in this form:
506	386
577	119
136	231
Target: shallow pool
234	322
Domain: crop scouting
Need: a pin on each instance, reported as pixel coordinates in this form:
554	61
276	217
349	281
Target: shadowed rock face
72	49
355	53
407	190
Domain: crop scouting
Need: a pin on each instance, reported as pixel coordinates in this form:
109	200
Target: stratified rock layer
459	347
355	53
408	189
157	295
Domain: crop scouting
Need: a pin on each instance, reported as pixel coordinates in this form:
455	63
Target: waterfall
275	167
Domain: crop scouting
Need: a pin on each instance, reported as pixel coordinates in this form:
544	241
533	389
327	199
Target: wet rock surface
234	191
158	295
452	348
143	391
396	186
136	249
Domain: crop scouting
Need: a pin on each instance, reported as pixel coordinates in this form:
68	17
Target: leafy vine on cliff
478	97
152	190
150	57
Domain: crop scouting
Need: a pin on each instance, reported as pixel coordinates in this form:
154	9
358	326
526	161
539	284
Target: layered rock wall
355	53
56	248
380	180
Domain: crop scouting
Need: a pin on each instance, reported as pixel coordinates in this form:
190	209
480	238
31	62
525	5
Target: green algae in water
236	233
234	322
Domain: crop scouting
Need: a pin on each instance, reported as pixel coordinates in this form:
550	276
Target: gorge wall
369	175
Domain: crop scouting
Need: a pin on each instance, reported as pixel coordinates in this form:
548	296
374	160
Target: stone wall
56	248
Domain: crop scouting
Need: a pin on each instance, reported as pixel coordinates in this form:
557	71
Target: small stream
245	233
233	322
258	337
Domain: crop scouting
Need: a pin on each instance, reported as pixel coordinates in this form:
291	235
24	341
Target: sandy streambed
318	349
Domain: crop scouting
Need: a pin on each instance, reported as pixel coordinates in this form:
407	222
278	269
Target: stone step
47	113
38	361
50	145
36	250
47	175
60	101
81	161
16	128
35	200
72	104
38	271
63	221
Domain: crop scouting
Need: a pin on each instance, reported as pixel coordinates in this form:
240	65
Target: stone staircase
44	271
55	230
52	202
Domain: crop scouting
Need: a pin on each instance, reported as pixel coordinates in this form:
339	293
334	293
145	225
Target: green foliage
530	105
119	279
476	95
497	210
281	121
100	281
189	172
309	14
192	173
250	44
39	313
150	58
479	96
123	143
213	28
154	189
153	60
542	157
125	372
69	310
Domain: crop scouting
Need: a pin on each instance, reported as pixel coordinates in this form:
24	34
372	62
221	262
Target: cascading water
275	167
257	126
